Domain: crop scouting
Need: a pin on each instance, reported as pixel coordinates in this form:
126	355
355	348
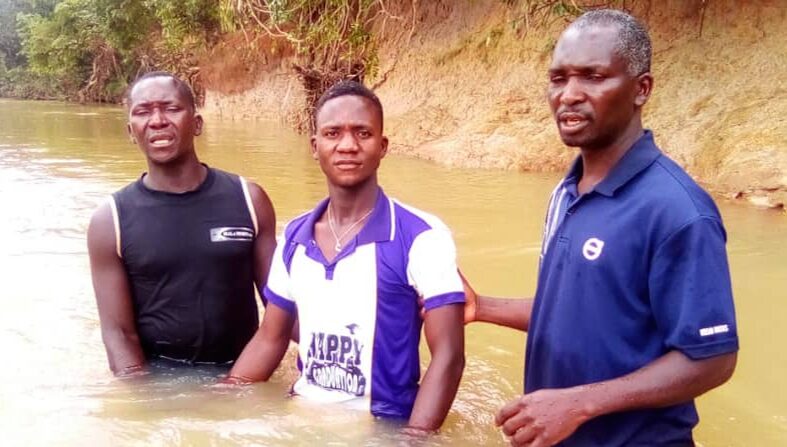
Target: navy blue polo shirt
629	271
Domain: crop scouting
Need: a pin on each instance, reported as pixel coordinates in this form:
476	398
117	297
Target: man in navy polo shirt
352	271
633	315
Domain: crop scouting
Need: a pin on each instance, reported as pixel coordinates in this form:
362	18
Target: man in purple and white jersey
352	271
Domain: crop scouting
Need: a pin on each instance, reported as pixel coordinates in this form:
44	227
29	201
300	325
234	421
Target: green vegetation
15	79
90	49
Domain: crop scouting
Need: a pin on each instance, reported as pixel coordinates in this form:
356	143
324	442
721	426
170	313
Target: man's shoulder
226	177
294	224
414	220
668	188
128	188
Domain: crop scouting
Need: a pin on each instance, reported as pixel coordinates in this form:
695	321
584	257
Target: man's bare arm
264	352
265	243
113	296
548	416
444	332
509	312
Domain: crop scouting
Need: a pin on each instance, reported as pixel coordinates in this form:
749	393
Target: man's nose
347	143
572	92
158	119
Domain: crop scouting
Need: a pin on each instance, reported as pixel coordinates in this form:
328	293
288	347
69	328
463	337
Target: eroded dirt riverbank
465	88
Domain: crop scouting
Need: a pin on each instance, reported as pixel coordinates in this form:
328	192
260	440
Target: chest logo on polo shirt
333	362
225	234
592	248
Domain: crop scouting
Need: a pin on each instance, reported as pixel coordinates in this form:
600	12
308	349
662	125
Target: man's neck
598	162
349	204
177	177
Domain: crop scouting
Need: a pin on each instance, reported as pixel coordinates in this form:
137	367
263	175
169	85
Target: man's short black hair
182	87
347	88
633	43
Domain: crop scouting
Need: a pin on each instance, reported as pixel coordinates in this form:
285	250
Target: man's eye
140	112
330	133
595	77
556	79
364	133
173	109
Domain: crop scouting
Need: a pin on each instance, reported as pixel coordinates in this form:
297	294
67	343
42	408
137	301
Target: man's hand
230	381
131	372
416	433
471	300
548	416
414	437
542	418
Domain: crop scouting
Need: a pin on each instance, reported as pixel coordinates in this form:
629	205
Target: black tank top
189	260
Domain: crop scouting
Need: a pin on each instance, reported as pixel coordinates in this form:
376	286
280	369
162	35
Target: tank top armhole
116	223
249	204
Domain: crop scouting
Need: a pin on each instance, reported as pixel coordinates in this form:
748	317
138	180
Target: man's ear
644	88
198	123
130	134
313	141
384	146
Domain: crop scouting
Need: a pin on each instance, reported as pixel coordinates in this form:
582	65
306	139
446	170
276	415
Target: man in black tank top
175	255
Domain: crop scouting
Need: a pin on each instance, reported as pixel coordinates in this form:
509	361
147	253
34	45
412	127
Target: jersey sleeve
432	269
277	289
691	294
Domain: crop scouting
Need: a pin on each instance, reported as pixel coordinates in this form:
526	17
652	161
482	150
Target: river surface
59	161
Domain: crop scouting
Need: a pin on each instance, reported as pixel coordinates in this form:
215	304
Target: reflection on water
59	161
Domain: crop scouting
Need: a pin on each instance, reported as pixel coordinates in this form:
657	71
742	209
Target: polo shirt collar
641	155
376	229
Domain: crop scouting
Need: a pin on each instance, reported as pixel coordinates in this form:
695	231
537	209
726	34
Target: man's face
592	96
348	140
161	121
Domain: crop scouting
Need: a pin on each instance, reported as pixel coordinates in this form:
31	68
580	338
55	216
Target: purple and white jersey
359	317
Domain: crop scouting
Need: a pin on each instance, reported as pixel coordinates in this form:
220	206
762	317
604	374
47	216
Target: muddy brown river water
59	161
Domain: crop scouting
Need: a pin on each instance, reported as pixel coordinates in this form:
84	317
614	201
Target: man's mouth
347	165
572	122
161	140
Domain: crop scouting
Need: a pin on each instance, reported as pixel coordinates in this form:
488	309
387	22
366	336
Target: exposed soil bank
467	89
